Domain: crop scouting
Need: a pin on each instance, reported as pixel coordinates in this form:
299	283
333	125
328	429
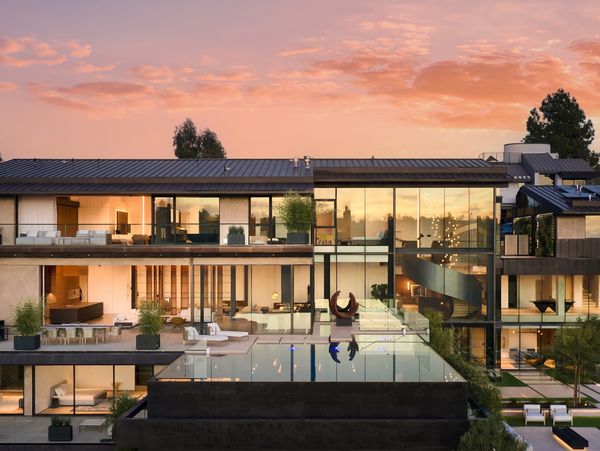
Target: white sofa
129	318
191	334
216	330
41	237
91	237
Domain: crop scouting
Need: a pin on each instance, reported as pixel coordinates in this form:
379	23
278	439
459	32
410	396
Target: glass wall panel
379	206
164	227
350	216
280	228
324	193
456	285
407	203
259	220
54	389
198	220
456	218
11	389
325	231
431	218
482	213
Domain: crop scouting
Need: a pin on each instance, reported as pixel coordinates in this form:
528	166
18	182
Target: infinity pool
367	359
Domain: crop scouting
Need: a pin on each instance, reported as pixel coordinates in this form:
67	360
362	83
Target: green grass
544	402
508	380
588	422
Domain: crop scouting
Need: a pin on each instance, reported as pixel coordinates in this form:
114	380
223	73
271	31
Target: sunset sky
111	79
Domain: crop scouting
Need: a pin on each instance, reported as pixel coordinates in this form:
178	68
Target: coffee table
93	423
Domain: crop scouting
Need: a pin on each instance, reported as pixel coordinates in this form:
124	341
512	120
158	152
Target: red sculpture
345	312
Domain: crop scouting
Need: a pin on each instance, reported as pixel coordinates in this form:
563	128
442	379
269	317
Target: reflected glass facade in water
432	248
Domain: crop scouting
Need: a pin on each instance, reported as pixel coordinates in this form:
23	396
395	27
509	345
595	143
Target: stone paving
21	429
542	439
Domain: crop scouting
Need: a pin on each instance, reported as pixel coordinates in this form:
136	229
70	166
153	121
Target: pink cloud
231	75
300	51
154	74
78	50
7	86
28	51
88	68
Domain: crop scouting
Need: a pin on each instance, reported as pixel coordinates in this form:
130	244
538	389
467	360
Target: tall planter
238	239
147	342
60	433
297	238
26	342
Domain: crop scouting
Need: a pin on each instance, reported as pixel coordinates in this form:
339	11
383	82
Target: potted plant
297	213
60	430
117	407
236	235
28	322
150	325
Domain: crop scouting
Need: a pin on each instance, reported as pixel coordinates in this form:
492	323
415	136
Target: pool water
367	359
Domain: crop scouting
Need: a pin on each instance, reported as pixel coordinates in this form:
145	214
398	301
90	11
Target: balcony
189	239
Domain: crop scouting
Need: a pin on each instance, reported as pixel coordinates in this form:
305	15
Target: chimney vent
306	162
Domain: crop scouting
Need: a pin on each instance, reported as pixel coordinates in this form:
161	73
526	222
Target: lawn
544	402
508	380
589	422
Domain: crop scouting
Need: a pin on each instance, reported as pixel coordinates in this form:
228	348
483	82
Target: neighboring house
550	265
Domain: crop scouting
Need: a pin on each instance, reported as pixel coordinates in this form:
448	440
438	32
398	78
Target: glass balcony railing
198	233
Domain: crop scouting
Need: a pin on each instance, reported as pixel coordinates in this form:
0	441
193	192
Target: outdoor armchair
560	413
533	414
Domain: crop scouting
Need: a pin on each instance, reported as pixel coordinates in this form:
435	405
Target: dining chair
113	331
88	333
50	334
71	334
100	334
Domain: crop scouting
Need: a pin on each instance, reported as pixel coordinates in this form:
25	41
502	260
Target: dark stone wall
420	400
289	434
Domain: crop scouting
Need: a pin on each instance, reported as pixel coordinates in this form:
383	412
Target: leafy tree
489	435
562	123
184	140
209	145
188	143
576	351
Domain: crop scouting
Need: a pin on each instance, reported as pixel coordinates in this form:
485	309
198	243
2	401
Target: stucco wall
17	283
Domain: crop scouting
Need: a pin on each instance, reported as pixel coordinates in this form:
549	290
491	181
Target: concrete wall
570	227
110	285
7	220
17	283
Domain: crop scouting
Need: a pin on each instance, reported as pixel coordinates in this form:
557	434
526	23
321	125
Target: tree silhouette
562	123
188	143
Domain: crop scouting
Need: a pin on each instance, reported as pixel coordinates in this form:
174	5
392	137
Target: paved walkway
542	439
20	429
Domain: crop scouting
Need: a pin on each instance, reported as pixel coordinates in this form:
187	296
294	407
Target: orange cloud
7	86
300	51
232	75
111	97
154	74
29	51
586	48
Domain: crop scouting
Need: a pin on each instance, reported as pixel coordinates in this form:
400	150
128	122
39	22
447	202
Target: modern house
204	238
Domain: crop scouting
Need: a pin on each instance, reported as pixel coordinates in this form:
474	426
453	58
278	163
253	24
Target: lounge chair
533	414
191	334
560	413
216	330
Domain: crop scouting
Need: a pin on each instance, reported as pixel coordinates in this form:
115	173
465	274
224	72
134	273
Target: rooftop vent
295	161
306	162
